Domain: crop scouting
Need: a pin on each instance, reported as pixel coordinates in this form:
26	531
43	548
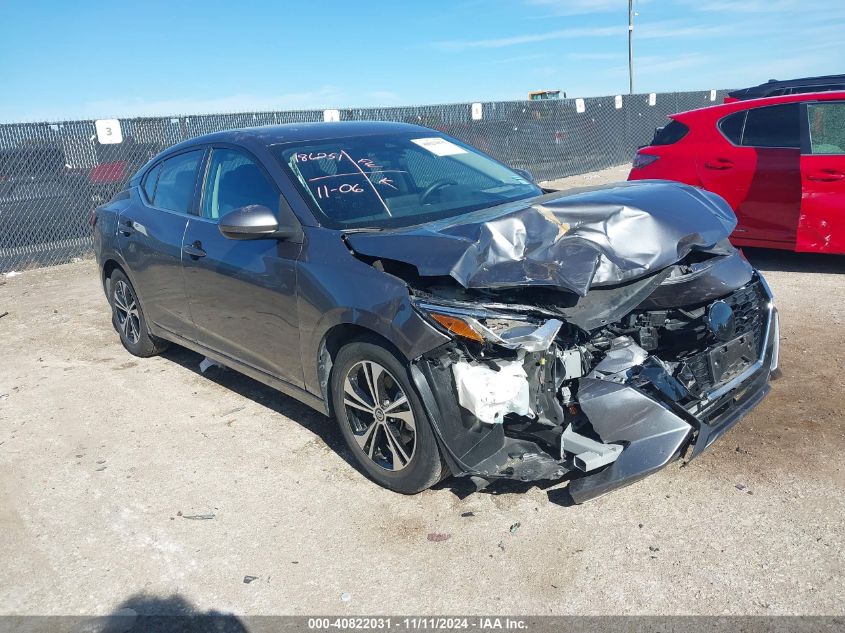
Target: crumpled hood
571	240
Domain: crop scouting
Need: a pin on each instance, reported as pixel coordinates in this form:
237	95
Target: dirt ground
126	481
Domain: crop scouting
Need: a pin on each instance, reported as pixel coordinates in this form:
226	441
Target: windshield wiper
368	229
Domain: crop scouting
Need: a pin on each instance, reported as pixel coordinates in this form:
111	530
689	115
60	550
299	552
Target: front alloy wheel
379	415
382	419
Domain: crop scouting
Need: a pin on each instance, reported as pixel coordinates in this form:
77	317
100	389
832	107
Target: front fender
339	289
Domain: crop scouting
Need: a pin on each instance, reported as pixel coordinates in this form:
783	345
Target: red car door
821	227
758	171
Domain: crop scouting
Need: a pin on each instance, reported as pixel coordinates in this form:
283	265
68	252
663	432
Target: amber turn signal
457	326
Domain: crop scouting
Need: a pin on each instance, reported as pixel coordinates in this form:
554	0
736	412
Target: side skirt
305	397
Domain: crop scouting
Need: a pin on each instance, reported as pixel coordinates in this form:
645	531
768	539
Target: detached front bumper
657	432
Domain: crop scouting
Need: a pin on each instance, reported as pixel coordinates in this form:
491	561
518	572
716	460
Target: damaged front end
522	393
603	333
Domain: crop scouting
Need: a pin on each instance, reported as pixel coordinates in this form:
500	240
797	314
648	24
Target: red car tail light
113	172
643	160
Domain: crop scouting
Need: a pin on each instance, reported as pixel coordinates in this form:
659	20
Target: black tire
132	328
425	466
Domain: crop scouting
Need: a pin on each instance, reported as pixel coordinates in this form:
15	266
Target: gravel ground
126	481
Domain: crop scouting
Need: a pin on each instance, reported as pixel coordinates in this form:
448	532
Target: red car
778	161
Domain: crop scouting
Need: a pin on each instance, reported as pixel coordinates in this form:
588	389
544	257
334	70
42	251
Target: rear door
150	233
758	172
242	293
822	224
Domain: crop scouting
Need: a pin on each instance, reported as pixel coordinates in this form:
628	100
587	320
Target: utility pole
631	46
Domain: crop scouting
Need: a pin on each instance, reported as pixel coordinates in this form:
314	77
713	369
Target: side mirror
525	174
252	222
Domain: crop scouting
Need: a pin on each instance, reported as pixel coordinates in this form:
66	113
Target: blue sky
63	60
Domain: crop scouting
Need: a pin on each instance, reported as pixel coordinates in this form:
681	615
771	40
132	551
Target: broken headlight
509	331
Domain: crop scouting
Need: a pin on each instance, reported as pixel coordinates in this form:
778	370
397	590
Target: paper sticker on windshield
439	146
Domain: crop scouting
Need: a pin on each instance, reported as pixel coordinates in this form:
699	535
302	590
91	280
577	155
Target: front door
242	293
758	173
150	234
822	224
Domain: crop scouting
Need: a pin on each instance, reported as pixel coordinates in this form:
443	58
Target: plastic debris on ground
206	363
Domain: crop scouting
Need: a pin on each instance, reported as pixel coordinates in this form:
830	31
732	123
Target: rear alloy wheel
128	318
126	312
382	419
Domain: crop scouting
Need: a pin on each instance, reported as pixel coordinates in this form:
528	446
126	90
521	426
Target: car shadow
326	429
464	487
768	259
246	387
161	614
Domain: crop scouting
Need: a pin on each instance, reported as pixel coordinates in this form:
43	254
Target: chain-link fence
53	174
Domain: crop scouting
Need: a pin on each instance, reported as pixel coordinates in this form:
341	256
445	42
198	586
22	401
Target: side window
176	182
827	127
773	126
150	181
670	133
731	126
235	180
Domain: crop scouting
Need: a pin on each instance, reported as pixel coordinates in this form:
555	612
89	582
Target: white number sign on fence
108	131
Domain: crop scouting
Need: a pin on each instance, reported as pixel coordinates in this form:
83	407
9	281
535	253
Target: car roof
722	109
774	84
300	132
265	135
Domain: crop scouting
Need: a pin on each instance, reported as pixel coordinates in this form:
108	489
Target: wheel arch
109	266
336	338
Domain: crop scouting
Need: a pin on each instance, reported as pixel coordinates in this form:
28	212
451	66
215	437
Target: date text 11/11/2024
418	623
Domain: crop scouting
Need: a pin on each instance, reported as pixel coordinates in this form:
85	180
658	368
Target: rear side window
150	181
669	134
176	182
773	126
732	125
827	127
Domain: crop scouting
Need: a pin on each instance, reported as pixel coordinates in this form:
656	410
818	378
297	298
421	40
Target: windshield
396	180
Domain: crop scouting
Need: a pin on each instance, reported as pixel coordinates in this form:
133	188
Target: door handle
826	175
194	250
127	228
719	164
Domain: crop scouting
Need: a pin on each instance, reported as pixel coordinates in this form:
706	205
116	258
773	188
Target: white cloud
575	7
120	107
656	65
594	56
518	59
530	38
647	30
732	7
675	29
